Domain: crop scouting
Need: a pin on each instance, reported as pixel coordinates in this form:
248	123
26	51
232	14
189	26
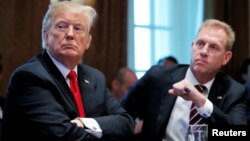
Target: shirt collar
190	77
62	68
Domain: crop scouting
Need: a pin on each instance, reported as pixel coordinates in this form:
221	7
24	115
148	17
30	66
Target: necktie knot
201	88
72	75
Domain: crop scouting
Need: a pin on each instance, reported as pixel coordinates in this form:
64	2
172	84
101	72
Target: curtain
108	51
20	38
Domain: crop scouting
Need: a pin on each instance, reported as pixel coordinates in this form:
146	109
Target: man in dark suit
40	105
163	96
122	82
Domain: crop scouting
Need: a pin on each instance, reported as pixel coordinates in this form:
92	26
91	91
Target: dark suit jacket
149	100
247	84
39	105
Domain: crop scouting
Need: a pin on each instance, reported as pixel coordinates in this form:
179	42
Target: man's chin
69	53
200	69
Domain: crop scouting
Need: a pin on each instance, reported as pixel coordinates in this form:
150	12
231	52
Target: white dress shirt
177	128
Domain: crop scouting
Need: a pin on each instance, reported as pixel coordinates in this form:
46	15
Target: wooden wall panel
20	33
235	13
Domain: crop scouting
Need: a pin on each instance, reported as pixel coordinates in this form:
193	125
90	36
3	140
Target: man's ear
45	37
227	57
89	41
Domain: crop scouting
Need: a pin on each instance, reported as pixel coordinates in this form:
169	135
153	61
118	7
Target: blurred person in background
122	82
168	61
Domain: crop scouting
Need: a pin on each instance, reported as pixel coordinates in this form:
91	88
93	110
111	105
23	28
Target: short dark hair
170	58
121	74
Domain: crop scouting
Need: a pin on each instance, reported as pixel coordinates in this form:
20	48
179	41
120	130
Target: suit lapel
87	85
167	101
59	80
217	91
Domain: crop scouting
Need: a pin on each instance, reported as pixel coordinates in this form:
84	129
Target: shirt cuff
206	110
91	126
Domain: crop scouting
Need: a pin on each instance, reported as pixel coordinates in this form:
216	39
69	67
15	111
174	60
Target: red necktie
76	93
195	117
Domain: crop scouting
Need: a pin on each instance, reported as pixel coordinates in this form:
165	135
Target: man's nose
205	49
70	33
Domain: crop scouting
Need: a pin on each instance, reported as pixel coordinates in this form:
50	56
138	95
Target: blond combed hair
221	25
